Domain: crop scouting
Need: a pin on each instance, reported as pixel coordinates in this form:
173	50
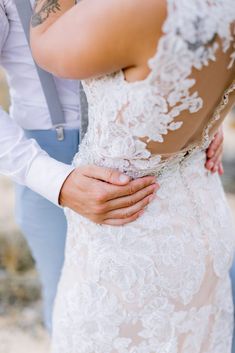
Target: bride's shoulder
139	23
138	11
119	33
110	35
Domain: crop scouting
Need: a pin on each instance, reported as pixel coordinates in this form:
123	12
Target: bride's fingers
212	164
217	164
125	213
128	201
221	169
217	160
122	222
216	143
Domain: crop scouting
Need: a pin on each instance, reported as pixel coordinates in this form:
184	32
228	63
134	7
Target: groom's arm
96	193
20	156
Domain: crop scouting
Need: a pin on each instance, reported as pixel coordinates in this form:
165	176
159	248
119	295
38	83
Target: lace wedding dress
161	283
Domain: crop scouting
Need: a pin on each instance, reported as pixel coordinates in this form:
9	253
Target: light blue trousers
42	223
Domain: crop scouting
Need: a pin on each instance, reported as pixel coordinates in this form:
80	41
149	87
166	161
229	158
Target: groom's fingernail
124	178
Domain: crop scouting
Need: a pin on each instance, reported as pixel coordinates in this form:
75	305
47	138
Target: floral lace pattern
157	285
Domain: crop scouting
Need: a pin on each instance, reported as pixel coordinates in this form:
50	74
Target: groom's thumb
108	175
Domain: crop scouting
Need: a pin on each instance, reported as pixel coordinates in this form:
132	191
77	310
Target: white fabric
22	159
160	284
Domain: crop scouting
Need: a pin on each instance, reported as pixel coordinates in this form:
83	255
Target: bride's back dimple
168	111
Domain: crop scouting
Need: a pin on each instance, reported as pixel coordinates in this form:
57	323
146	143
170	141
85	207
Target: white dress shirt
20	158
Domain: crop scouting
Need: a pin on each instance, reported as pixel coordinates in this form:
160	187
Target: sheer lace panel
145	122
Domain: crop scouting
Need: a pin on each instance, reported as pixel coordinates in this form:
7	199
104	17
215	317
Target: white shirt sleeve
22	159
26	163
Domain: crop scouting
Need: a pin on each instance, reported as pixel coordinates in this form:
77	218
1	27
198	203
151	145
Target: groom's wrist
46	176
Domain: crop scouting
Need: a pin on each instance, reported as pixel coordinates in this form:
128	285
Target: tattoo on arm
42	11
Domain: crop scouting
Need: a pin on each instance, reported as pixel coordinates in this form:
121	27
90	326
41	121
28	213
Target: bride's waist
137	168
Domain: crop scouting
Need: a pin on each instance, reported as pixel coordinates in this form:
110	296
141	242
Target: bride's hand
215	153
106	196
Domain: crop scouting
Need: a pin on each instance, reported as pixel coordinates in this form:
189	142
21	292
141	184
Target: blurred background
21	327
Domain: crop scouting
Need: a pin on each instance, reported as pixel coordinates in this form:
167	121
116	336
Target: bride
159	81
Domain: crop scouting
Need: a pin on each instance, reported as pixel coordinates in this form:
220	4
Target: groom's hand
106	196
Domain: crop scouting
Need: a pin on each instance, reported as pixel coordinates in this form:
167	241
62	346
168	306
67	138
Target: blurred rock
229	154
19	282
18	290
14	253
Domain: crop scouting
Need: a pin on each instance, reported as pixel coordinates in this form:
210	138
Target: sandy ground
17	339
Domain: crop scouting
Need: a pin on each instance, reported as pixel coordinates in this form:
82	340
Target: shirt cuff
46	176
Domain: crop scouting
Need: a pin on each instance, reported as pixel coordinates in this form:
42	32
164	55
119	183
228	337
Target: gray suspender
47	81
84	112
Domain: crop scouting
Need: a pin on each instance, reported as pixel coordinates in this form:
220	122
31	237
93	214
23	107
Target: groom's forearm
46	12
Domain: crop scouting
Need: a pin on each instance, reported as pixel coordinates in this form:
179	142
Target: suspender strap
84	112
24	9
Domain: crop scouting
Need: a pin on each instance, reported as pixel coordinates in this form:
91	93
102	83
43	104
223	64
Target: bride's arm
94	37
46	12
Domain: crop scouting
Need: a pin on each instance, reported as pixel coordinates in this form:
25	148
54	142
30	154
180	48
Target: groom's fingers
128	201
125	213
103	202
111	176
112	192
122	222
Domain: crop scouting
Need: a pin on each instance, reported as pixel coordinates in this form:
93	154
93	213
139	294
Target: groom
37	144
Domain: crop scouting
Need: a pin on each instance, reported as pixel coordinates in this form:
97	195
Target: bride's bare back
193	65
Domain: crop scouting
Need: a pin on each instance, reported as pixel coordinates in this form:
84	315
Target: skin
94	192
215	154
97	193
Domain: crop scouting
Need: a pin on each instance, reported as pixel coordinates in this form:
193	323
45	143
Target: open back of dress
180	104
